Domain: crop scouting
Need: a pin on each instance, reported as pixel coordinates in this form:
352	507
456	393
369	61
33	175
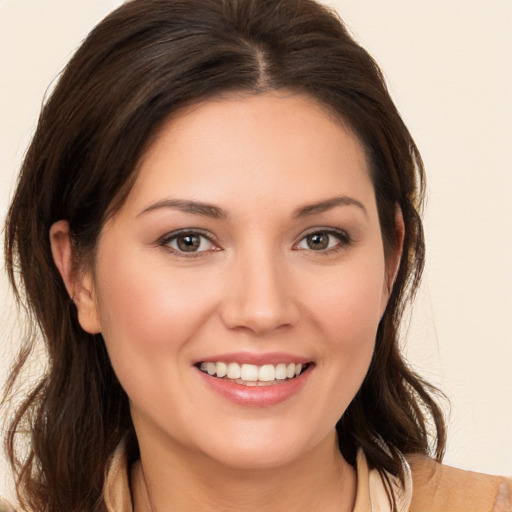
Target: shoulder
438	487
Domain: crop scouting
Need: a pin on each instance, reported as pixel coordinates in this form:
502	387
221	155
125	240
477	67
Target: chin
253	458
263	449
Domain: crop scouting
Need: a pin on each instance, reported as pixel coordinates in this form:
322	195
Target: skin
254	286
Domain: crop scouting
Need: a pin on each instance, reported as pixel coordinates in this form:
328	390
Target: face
240	286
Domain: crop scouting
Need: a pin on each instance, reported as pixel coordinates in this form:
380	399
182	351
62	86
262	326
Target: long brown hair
137	68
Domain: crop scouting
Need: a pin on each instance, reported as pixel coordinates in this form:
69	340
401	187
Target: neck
319	480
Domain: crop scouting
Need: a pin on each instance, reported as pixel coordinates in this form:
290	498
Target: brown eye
188	243
324	241
318	241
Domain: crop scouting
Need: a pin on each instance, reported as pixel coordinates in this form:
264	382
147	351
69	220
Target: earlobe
79	284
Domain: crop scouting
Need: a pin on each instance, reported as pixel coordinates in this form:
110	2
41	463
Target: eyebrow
193	207
210	210
328	204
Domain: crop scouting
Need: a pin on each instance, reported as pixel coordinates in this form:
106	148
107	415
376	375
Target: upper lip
258	359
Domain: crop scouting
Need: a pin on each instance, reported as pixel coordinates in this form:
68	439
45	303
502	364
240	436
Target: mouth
253	375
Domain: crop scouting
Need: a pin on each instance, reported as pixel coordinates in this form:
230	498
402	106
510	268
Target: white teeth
281	371
250	373
222	369
234	371
267	373
211	368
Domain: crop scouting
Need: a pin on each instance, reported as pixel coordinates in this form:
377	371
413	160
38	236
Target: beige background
449	68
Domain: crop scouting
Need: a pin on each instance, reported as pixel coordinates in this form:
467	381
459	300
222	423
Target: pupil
188	243
318	241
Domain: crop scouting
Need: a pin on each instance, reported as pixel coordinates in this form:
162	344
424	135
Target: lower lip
257	396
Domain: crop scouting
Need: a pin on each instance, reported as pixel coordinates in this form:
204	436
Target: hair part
137	69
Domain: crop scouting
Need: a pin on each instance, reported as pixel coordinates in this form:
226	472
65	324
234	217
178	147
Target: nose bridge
259	293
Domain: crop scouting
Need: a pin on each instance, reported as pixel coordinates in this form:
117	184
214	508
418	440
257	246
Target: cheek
145	315
148	326
345	309
349	305
143	298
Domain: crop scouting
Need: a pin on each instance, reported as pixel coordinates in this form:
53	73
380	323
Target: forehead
275	145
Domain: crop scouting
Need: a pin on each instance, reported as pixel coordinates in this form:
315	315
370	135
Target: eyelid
343	236
165	240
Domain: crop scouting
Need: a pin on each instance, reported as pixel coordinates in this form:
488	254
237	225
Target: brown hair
140	65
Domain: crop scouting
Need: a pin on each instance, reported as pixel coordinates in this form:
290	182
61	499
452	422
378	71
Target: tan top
429	487
442	488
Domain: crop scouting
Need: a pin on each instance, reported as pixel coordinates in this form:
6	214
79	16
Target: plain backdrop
448	64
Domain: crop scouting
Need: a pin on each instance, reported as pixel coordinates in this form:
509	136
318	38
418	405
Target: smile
251	374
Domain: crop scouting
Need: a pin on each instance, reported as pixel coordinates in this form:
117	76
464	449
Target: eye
188	242
324	240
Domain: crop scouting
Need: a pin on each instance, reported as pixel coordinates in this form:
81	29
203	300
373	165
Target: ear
79	284
394	255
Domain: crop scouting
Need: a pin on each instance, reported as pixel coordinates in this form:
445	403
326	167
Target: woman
217	229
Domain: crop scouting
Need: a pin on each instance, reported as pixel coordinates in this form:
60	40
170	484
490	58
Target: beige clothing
429	487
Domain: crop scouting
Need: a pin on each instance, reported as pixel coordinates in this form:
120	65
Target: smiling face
240	286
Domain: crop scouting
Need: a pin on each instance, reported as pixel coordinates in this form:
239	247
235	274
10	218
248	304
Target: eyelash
344	241
168	239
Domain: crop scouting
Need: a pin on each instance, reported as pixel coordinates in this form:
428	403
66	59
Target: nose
259	296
